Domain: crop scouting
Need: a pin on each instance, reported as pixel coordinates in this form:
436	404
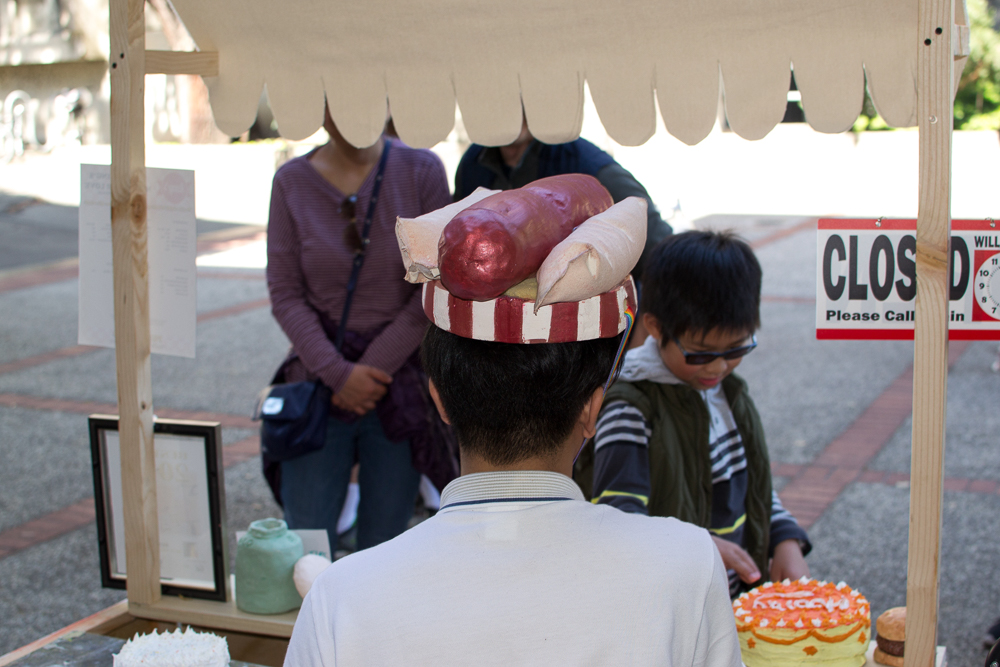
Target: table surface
940	658
83	650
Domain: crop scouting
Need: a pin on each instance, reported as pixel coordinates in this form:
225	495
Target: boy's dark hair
699	281
511	402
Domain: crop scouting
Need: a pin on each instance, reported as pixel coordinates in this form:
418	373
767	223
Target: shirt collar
512	486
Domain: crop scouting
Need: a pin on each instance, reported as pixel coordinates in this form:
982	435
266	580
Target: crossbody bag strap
359	255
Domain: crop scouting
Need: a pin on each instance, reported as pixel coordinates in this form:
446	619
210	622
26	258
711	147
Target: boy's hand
788	561
734	557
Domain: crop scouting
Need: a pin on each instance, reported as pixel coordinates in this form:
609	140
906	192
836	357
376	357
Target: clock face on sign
987	285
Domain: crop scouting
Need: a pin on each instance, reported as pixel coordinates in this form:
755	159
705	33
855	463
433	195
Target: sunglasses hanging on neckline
352	237
349	207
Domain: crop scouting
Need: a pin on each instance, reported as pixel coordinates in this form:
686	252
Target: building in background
54	84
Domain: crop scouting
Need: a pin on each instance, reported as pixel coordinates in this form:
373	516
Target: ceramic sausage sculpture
503	239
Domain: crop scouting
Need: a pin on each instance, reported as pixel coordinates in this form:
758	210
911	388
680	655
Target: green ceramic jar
265	560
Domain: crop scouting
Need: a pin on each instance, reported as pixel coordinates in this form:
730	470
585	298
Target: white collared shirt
518	569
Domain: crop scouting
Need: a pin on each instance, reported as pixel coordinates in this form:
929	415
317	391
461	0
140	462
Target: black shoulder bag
293	415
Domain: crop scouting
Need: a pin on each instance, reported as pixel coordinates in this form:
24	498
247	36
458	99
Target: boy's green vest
680	470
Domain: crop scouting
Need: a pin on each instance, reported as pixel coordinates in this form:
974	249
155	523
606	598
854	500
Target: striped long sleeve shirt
308	263
622	471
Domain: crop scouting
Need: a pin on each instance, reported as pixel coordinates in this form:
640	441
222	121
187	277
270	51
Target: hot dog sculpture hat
546	263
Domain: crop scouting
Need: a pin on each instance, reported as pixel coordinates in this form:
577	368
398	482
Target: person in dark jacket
527	160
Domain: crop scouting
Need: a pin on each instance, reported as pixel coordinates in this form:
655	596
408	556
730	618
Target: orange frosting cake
804	622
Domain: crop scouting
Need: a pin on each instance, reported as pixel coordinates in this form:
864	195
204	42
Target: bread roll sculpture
597	255
418	237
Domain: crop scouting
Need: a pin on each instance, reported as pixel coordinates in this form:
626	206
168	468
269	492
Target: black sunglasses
349	209
702	358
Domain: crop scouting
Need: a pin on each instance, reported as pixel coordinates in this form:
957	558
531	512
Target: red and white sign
866	279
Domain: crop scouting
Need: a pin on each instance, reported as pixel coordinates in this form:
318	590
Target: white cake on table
174	649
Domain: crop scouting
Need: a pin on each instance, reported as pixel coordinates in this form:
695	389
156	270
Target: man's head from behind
701	293
508	402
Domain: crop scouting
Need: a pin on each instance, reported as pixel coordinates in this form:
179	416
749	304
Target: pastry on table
890	630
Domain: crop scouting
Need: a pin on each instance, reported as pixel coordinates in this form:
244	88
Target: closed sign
866	279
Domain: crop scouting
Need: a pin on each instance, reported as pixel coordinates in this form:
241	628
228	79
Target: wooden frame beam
200	63
935	74
131	293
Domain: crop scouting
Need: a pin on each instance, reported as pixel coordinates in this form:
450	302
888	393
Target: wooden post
930	355
131	290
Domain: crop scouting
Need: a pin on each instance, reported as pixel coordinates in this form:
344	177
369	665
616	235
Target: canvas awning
422	56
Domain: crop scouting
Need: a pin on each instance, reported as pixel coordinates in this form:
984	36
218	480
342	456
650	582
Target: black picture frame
210	434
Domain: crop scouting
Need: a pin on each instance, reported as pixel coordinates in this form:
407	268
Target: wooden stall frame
944	38
131	294
935	107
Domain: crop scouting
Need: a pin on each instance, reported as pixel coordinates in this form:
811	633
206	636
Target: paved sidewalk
836	414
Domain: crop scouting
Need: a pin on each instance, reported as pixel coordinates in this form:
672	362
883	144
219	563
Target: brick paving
45	528
16	280
69	269
77	350
814	487
92	407
227	240
234	310
231	274
44	358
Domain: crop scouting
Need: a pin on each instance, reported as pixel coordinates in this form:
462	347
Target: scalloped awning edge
417	62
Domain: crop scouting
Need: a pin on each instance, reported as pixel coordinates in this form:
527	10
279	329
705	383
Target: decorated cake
174	649
804	622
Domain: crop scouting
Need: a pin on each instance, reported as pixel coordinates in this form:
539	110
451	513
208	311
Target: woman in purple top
315	200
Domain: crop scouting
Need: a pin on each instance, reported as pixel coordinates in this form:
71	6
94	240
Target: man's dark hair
699	281
511	402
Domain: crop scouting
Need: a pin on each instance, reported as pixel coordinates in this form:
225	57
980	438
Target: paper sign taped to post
171	249
866	279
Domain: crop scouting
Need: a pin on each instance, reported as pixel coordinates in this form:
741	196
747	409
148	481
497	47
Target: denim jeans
313	487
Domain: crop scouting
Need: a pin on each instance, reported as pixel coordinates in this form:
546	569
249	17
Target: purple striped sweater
308	264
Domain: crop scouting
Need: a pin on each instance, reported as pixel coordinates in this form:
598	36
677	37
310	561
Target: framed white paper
190	499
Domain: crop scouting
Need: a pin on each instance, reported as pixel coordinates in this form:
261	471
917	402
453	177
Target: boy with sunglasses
678	435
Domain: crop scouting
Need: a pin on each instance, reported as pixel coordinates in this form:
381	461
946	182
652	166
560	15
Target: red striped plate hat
581	290
509	319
